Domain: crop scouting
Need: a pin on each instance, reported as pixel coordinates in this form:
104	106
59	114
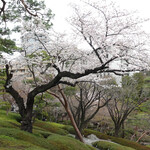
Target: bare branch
27	9
2	9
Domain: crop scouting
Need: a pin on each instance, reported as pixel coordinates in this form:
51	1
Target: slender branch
68	83
55	95
27	9
2	10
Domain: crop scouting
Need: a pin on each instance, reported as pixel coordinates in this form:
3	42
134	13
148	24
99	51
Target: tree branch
8	86
27	9
2	10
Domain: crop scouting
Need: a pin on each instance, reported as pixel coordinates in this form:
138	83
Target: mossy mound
69	128
87	132
45	136
120	141
16	139
25	137
67	143
104	145
10	120
10	143
51	127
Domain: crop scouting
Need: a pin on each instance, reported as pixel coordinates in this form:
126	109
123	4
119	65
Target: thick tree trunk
117	128
26	124
123	133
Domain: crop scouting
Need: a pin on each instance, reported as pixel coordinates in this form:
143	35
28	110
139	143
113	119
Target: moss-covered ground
120	141
48	136
104	145
45	136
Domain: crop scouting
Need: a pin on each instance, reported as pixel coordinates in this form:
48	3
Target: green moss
87	132
67	143
10	120
13	144
51	127
25	136
104	145
148	146
69	128
41	133
120	141
129	143
90	147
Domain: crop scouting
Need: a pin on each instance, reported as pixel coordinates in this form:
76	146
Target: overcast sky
61	9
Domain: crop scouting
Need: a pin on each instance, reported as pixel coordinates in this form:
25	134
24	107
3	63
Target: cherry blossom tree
112	35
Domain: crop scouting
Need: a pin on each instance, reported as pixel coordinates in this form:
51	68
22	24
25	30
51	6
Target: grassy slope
120	141
104	145
47	136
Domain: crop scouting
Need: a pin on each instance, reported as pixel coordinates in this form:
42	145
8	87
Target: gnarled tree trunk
26	123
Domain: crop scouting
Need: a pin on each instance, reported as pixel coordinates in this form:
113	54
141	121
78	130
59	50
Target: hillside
51	136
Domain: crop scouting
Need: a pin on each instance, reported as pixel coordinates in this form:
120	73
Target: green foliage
43	103
2	77
7	45
15	11
145	107
147	81
29	81
69	90
5	105
133	88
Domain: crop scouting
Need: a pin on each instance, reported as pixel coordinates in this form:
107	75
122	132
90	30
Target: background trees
126	99
87	101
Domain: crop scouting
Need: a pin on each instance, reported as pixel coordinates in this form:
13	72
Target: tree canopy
113	37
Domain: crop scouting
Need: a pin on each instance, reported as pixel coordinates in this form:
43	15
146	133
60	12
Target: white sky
61	10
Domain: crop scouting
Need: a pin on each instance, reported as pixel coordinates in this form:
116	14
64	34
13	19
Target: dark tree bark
123	133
